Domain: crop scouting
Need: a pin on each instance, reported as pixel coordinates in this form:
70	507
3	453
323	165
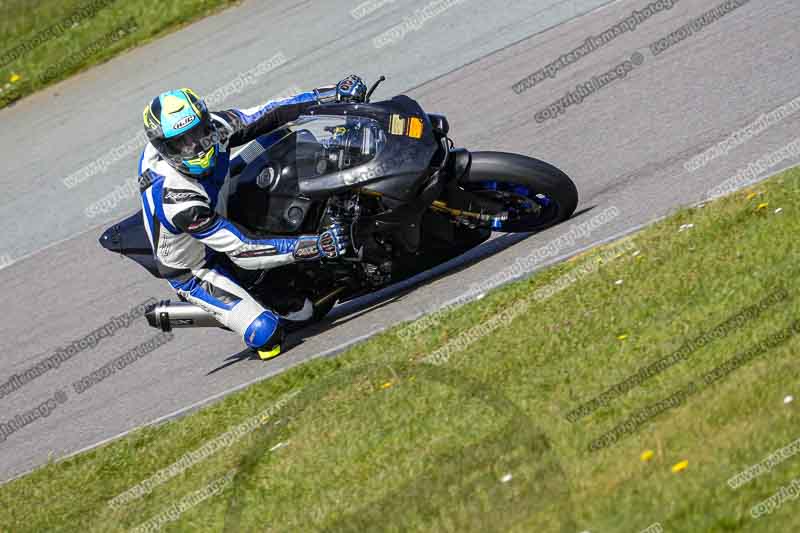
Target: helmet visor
190	145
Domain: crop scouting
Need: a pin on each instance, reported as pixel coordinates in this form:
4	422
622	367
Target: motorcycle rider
181	172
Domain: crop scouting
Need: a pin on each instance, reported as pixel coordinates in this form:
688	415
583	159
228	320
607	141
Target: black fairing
266	197
399	170
271	196
128	237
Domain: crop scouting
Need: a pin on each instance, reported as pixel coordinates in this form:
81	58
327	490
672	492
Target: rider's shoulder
173	184
175	180
149	159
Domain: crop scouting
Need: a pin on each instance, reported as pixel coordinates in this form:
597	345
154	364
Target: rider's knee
263	330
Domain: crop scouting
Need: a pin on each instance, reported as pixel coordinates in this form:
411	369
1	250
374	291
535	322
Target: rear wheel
534	194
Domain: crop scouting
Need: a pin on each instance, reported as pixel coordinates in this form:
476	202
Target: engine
374	253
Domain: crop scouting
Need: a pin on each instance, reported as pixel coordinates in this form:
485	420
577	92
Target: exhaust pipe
166	315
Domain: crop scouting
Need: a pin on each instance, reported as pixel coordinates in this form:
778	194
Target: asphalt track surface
625	146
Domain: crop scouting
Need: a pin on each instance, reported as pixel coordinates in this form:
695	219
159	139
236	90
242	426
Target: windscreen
331	144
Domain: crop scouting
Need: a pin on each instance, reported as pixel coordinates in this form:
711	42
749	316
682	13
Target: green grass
21	20
377	440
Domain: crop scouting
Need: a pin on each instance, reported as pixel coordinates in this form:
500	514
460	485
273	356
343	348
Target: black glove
351	89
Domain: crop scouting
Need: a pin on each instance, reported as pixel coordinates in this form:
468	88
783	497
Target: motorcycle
389	173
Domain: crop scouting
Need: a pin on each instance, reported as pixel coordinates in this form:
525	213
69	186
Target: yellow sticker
415	128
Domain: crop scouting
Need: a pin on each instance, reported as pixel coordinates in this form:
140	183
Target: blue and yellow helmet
180	128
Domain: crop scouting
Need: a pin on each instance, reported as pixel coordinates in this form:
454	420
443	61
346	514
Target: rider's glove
351	89
333	242
330	243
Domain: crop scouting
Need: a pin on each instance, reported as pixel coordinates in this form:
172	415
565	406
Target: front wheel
534	194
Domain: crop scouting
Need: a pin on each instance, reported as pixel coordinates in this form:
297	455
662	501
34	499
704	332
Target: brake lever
372	89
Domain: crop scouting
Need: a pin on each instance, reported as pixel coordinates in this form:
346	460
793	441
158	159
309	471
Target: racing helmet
180	128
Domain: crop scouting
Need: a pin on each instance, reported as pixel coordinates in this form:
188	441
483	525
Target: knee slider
262	331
